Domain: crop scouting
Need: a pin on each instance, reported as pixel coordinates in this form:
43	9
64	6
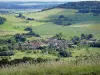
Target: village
59	43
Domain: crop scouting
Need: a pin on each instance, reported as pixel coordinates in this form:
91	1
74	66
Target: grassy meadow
86	24
89	66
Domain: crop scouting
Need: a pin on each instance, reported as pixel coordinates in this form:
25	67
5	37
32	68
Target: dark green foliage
90	36
28	29
58	36
23	60
94	11
20	15
83	6
62	20
69	24
32	33
4	12
2	20
95	44
30	19
3	41
64	54
19	38
6	53
27	59
84	11
3	48
23	39
61	16
4	62
96	14
86	36
39	60
75	40
11	40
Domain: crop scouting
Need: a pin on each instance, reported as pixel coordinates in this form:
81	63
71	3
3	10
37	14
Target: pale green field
20	55
87	24
84	52
75	52
44	14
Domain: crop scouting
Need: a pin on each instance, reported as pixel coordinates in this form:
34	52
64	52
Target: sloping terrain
46	23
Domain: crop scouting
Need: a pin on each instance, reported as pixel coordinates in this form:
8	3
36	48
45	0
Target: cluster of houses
29	45
52	42
58	44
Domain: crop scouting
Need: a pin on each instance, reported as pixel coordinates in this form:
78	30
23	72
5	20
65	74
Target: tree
19	38
59	36
11	40
4	48
2	20
23	39
84	36
0	49
90	36
64	54
20	15
32	33
61	16
75	39
69	24
28	29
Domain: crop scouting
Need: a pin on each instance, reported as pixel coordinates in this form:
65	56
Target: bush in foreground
84	67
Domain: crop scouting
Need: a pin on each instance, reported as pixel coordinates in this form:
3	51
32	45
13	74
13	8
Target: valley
65	39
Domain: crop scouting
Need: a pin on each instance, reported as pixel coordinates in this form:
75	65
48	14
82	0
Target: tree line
83	6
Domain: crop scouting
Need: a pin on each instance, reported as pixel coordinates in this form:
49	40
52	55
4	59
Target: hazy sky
49	0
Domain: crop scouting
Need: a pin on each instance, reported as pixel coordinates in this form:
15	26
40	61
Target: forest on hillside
83	7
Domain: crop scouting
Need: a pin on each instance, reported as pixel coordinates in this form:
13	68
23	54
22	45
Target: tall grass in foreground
90	66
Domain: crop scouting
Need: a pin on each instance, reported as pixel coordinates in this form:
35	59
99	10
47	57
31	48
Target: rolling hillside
64	40
45	23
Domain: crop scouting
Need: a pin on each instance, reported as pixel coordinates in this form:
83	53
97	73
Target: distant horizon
45	0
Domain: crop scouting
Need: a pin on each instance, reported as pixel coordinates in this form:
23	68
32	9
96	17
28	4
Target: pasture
86	23
44	25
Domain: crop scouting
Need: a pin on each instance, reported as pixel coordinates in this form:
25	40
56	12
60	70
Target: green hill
74	48
49	22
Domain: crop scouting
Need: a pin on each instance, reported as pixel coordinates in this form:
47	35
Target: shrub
19	38
61	16
39	60
84	36
75	39
6	53
25	59
2	20
28	29
4	62
64	54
